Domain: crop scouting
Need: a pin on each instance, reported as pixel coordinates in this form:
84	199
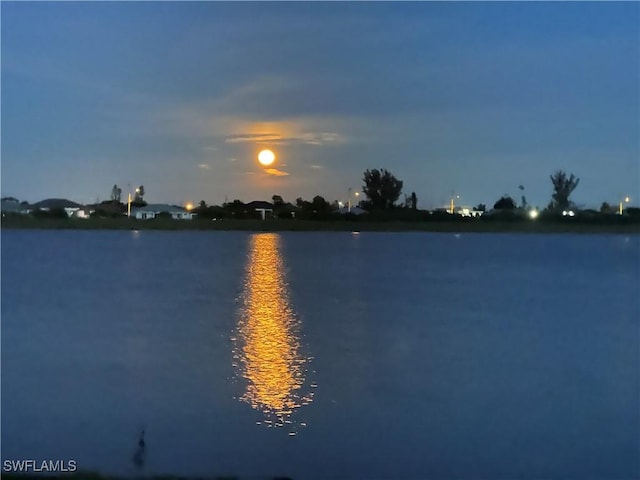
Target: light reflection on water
267	346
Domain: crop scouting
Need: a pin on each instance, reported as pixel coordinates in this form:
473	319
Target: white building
151	211
79	212
468	212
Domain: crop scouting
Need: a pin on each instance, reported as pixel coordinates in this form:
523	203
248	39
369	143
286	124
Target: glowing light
621	209
266	157
267	351
533	214
189	206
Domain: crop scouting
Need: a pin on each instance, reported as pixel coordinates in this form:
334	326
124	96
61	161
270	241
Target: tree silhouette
138	200
381	188
562	188
139	196
320	205
116	194
606	208
414	201
505	203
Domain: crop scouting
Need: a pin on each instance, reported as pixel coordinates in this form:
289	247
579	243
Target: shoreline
442	226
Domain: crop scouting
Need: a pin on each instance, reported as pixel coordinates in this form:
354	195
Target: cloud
322	138
204	166
210	148
275	172
317	167
310	138
253	137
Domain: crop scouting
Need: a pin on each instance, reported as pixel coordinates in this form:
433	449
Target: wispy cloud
253	138
317	167
310	138
204	166
322	138
210	148
275	172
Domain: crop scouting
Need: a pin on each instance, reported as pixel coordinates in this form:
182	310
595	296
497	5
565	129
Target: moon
266	157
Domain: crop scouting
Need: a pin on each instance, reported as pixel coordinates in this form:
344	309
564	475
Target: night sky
476	98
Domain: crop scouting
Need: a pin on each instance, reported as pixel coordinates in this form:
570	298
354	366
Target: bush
58	213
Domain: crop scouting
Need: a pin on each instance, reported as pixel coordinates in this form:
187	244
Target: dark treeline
382	192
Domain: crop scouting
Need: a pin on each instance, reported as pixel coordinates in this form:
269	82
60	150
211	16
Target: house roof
13	206
56	203
259	204
159	208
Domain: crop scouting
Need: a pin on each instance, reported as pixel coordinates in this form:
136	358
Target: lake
323	355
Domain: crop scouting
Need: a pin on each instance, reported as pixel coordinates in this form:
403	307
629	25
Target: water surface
323	355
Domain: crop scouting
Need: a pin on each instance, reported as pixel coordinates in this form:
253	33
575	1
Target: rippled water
323	355
267	351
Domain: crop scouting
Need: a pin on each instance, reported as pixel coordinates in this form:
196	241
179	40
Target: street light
452	202
357	194
128	200
626	200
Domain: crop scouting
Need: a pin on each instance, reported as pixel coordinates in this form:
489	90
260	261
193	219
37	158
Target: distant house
462	211
72	209
353	211
13	206
151	211
55	203
83	212
108	208
468	212
261	207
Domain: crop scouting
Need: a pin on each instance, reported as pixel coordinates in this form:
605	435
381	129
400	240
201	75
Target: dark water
324	355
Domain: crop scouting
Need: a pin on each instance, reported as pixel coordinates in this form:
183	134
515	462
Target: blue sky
476	98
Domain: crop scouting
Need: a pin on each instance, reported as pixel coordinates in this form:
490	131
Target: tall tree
562	188
116	194
277	200
524	200
413	199
139	196
381	188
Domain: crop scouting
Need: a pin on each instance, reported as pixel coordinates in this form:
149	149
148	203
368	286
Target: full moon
266	157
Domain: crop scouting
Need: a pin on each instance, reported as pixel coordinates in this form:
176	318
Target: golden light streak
268	351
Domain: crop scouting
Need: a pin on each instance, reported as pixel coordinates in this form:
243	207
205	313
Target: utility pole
452	205
128	200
